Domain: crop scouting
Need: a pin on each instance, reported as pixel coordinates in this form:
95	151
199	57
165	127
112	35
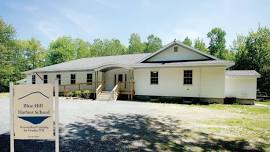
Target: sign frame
55	114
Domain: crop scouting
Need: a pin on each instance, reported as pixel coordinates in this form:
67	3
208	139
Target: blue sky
169	19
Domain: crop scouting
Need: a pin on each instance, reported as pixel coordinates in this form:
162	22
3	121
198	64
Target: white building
176	70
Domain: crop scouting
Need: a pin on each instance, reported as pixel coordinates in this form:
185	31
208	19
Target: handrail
99	90
115	92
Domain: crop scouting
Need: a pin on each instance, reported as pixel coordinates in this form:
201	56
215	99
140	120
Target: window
58	76
187	76
45	79
154	77
89	78
72	79
175	49
125	80
33	79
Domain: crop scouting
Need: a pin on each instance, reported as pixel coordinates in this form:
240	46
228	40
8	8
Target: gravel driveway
125	126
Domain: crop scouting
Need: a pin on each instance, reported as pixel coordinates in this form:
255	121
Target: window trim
45	81
71	79
154	77
188	77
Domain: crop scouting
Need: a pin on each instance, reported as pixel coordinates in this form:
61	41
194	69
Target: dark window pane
154	78
58	76
45	79
187	76
89	78
33	79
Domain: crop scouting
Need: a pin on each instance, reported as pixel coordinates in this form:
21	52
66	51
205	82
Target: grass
242	109
250	123
264	102
3	95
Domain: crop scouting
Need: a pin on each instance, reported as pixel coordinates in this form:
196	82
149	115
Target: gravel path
125	126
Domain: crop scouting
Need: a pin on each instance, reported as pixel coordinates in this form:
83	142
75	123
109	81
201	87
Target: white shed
241	84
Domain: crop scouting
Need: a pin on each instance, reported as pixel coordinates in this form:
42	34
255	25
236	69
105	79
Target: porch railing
99	90
115	92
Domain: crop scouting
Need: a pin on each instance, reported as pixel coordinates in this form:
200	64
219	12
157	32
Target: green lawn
264	102
2	95
250	123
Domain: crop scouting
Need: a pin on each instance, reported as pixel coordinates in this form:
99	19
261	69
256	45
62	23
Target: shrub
70	94
86	94
78	93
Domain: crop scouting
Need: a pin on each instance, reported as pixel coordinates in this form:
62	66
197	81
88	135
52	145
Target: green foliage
200	45
217	42
61	50
135	44
86	94
107	47
31	53
187	41
78	93
7	53
71	94
153	43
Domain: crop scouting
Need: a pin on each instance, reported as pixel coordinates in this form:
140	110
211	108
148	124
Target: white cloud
84	22
50	30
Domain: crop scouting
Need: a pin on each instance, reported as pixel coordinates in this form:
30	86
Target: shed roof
236	73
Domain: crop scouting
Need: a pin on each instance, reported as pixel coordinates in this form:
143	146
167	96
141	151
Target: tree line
250	51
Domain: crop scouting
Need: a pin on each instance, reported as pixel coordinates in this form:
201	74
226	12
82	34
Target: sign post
56	101
33	114
11	117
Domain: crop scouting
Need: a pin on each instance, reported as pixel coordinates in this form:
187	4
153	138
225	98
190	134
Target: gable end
182	53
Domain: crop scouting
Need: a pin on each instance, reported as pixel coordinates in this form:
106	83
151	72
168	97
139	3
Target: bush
86	94
70	94
78	93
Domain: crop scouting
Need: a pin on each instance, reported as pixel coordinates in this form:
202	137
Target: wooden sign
32	112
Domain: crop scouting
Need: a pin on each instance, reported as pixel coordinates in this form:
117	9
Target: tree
253	53
153	43
62	49
7	46
32	52
200	45
187	41
239	46
82	48
217	42
135	44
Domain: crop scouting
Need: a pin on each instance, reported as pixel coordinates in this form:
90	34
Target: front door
120	78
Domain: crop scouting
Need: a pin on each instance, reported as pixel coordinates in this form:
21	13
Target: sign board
33	112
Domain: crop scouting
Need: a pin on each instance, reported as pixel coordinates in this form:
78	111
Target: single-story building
176	70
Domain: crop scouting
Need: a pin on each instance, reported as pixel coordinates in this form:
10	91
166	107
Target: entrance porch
108	83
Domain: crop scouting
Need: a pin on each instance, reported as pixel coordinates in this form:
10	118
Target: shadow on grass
131	133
